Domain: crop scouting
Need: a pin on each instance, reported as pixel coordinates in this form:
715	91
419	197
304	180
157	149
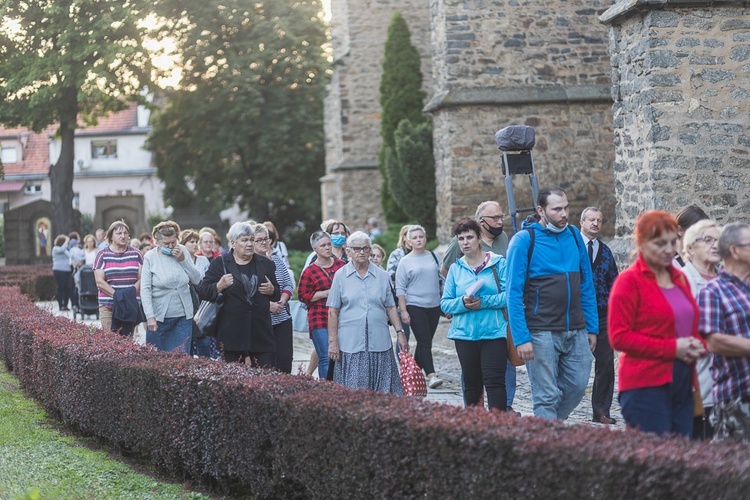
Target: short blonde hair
166	228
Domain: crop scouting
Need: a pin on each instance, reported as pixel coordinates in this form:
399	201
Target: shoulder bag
513	356
206	318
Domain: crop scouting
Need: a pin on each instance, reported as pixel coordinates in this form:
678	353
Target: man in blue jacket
552	307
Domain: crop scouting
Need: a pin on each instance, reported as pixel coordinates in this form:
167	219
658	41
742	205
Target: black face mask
494	231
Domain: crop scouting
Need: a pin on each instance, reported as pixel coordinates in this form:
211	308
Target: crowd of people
551	295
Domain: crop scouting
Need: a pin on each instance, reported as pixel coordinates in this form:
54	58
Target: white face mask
556	229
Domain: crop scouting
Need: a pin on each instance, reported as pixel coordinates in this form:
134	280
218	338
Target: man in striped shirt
725	322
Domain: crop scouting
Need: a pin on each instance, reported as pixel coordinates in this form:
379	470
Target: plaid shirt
316	279
725	308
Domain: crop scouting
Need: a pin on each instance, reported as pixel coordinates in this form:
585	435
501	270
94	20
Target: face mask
494	231
556	229
338	240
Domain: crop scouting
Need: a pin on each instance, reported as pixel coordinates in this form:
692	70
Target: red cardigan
641	326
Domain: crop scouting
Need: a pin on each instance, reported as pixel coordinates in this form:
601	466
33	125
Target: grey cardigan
164	277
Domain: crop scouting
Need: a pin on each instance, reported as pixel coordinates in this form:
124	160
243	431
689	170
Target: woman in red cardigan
653	322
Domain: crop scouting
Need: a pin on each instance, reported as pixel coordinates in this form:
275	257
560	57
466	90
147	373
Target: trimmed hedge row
250	432
35	281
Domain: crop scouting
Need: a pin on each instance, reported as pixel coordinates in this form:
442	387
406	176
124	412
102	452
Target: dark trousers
284	345
424	322
62	279
604	371
483	364
666	409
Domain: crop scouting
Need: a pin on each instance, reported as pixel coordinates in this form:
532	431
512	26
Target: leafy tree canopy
66	61
246	126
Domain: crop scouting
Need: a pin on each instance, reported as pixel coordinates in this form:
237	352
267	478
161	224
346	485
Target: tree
401	97
66	62
246	126
411	173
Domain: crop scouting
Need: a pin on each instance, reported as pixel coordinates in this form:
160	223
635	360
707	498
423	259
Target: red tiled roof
36	158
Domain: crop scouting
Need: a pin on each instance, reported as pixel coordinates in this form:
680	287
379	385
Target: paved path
446	364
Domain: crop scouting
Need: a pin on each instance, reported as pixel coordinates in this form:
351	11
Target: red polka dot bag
412	377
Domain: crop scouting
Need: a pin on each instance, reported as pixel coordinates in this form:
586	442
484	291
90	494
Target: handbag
412	376
513	357
207	316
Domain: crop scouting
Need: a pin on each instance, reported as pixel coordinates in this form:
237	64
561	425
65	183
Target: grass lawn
38	462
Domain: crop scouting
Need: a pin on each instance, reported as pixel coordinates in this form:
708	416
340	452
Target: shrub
264	434
35	281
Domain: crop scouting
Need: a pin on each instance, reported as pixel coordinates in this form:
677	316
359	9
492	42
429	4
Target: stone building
681	87
486	65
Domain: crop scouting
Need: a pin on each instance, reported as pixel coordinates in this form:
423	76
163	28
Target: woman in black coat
248	284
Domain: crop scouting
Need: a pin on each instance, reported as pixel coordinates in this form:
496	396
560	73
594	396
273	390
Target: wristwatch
400	330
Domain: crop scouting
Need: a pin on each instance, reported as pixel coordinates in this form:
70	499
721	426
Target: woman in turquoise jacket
474	294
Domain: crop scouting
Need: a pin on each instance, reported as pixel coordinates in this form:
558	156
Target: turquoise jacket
486	323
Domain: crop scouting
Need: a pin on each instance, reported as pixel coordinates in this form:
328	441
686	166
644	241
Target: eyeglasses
360	249
262	240
708	240
496	218
742	244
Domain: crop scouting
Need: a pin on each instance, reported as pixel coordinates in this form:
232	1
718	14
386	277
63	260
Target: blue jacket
559	295
487	322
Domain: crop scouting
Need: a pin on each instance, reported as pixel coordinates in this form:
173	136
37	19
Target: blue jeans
666	409
320	341
559	372
172	334
510	383
205	347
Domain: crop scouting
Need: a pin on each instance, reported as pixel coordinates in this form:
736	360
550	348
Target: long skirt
376	371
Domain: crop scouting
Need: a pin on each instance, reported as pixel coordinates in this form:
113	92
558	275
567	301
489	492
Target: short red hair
652	224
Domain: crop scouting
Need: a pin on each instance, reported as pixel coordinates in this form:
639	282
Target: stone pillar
681	89
351	188
537	63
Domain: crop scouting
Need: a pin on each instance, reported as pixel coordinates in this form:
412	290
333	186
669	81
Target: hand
592	341
472	302
525	351
403	344
689	349
151	324
177	254
405	318
225	282
333	350
267	288
276	307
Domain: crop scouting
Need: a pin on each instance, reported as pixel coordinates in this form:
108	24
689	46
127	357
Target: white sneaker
435	382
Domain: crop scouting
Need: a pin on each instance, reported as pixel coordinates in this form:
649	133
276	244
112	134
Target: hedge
35	281
268	435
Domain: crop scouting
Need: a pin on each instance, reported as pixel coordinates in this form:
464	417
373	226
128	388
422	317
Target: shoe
512	411
604	420
434	382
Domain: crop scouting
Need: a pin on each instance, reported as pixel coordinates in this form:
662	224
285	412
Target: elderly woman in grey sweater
165	292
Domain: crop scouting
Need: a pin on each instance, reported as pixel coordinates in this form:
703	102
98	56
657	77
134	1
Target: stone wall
682	99
352	113
537	63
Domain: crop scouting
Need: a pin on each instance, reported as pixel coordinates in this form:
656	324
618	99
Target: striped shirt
286	284
120	270
725	308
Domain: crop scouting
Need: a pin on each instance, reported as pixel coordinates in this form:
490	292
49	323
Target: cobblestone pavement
446	364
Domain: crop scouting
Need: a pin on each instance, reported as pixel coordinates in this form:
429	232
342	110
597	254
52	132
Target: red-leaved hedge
35	281
270	435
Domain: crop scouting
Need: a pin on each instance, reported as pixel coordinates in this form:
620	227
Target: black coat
241	326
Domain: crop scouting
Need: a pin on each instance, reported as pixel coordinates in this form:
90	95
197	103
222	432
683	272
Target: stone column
681	90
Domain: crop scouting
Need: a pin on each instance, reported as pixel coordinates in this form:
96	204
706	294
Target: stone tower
351	187
487	64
